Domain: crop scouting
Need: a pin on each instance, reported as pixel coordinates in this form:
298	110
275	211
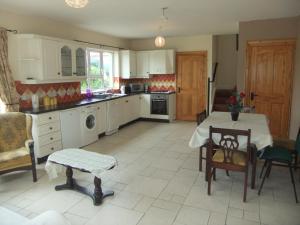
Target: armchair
16	144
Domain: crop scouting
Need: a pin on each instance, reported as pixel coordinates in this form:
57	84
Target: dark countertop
83	102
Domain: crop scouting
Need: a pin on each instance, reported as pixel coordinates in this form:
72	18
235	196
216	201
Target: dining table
258	124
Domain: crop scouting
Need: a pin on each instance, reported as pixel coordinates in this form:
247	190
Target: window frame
101	74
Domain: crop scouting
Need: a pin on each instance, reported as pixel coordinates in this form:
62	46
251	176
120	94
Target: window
100	70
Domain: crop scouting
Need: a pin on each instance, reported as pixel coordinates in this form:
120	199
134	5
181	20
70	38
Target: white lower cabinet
102	117
114	116
46	133
145	105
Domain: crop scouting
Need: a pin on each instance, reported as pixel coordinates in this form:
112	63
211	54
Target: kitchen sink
102	96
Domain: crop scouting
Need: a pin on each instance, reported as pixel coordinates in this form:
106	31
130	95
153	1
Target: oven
159	104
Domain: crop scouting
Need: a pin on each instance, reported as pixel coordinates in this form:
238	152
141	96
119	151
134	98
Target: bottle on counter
35	101
46	101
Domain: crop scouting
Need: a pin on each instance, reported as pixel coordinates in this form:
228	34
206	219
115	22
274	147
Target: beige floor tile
192	216
158	216
234	212
114	215
144	204
239	221
217	219
75	220
126	199
84	208
168	205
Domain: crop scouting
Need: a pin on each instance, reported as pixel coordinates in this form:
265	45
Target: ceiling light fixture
160	41
77	3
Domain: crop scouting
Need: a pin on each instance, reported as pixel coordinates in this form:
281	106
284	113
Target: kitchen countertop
83	102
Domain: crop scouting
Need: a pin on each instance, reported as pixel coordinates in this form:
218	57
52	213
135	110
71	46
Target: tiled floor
157	182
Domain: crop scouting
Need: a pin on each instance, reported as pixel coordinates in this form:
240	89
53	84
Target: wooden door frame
200	53
247	82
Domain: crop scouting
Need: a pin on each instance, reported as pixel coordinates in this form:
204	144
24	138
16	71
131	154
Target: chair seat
284	143
239	158
9	155
278	154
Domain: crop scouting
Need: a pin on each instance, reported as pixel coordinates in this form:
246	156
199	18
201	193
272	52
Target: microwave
136	87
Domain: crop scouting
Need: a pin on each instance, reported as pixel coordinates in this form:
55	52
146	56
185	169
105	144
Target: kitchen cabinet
114	116
46	133
142	64
101	117
145	105
128	64
162	61
172	107
40	59
70	128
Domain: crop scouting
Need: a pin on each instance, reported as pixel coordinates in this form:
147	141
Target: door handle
252	96
179	89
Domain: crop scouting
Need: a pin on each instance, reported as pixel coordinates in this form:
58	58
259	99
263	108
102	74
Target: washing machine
88	121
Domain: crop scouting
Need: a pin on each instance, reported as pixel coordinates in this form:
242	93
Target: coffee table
84	161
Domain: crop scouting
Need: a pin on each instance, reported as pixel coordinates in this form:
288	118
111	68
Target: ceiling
142	18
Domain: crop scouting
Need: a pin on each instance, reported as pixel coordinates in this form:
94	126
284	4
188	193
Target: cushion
15	129
16	162
9	217
278	154
5	156
285	143
239	158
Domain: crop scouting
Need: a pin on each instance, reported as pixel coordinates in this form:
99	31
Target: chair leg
262	169
245	185
209	174
200	158
262	182
34	178
293	182
227	173
214	174
296	161
269	171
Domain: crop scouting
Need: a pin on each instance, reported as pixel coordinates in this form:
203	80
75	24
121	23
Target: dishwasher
70	128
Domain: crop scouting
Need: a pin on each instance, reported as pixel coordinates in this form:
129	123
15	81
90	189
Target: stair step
220	107
221	100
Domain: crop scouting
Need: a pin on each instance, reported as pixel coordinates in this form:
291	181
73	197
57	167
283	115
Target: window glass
100	71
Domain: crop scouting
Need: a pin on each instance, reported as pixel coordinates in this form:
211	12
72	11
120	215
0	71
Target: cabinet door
170	61
66	61
145	105
135	107
101	117
50	60
158	62
80	62
128	64
142	64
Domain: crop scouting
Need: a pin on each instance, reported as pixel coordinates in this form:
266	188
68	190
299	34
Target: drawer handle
51	138
126	100
50	128
52	148
50	118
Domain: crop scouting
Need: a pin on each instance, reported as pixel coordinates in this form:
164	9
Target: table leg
253	162
69	183
98	193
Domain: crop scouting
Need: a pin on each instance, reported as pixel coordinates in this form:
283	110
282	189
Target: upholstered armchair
16	144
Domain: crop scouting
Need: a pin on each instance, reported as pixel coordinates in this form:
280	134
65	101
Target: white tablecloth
93	162
258	123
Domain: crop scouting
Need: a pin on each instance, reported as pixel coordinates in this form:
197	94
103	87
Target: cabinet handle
98	108
52	148
50	118
126	100
74	73
50	128
51	138
58	73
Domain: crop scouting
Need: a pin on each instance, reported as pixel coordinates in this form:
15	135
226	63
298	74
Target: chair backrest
15	129
297	147
201	117
227	141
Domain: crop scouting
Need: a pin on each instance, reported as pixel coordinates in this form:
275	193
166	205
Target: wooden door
269	81
191	84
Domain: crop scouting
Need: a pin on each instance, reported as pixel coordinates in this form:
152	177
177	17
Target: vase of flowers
236	104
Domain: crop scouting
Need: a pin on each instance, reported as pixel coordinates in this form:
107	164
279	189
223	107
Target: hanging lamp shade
160	41
77	3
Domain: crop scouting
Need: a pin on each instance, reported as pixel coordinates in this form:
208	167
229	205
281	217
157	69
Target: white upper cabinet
39	59
128	64
142	64
162	62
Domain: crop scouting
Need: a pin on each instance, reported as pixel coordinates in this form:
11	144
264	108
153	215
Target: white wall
227	59
47	27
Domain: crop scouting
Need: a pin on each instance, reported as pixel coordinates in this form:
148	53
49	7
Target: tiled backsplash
64	92
156	82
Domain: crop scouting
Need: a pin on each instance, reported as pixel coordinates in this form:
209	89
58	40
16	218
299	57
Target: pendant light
160	41
77	3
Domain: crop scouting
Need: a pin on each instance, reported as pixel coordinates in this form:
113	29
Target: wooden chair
200	118
228	155
283	155
16	144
